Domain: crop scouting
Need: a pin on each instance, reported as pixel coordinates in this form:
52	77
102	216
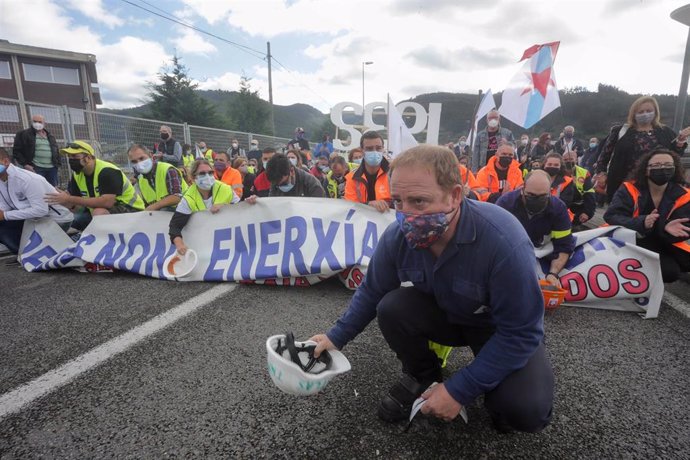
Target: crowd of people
454	240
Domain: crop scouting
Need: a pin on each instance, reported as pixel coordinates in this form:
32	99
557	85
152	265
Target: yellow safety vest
150	195
127	196
580	177
222	194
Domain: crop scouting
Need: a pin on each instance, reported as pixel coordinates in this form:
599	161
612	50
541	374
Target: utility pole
270	87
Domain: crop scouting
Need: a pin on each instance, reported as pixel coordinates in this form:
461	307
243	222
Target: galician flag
532	93
399	136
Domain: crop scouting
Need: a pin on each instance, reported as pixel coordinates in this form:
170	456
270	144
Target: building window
9	113
50	114
5	70
51	74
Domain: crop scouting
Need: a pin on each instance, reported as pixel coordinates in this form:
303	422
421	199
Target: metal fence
110	134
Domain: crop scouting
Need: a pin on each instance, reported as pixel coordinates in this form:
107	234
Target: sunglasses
203	174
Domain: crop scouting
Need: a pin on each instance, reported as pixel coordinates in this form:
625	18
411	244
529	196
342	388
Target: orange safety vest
556	191
487	178
356	189
466	177
681	201
233	178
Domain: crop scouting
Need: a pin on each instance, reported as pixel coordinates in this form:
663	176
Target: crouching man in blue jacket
474	284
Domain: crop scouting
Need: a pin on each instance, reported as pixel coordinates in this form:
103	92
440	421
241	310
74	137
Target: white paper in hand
419	403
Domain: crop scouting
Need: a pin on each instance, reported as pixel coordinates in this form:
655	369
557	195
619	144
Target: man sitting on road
262	185
22	197
584	203
100	187
289	180
470	264
368	184
542	215
501	175
159	184
225	173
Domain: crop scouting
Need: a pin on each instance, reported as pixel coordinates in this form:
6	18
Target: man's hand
251	199
379	205
683	135
677	229
322	343
60	197
651	219
440	403
553	280
583	218
215	208
181	248
29	168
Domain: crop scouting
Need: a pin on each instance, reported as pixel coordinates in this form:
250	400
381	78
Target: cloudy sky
417	46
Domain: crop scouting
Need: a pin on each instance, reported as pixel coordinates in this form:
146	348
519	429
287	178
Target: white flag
488	103
399	136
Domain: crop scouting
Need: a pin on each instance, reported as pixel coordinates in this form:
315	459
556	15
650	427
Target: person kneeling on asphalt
289	180
100	187
22	197
159	183
542	215
206	193
470	264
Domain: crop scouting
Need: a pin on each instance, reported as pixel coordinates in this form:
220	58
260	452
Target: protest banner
299	242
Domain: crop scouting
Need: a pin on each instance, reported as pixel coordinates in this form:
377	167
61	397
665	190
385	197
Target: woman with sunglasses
656	204
206	194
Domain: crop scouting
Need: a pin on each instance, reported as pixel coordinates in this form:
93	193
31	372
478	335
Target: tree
174	98
248	112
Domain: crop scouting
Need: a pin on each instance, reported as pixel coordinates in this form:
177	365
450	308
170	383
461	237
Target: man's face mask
535	204
76	165
422	230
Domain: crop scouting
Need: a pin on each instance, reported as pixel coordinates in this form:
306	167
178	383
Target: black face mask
551	171
535	204
165	136
569	164
662	176
75	165
505	161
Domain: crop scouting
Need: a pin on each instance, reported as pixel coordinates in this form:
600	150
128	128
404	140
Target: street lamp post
682	15
363	64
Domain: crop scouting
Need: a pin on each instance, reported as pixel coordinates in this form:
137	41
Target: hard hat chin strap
294	351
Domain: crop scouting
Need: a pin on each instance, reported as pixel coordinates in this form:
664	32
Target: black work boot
397	404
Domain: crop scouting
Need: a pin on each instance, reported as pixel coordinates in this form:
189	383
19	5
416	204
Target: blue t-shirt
490	263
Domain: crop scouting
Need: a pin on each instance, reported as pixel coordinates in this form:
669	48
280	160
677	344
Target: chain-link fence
111	135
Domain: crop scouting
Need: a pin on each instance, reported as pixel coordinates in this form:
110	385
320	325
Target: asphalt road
200	388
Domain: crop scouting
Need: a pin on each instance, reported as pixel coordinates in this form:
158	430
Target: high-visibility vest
681	201
332	186
221	193
188	160
580	178
488	181
150	195
466	177
233	178
127	196
556	191
356	190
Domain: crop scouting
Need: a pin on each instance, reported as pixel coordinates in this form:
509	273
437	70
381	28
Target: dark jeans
673	260
51	174
408	319
11	234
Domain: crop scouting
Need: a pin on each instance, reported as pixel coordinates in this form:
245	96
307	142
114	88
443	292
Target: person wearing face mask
321	169
355	158
368	184
300	141
542	147
295	159
583	204
336	177
489	139
97	187
235	151
206	194
22	196
459	256
262	186
227	174
627	143
169	150
542	215
656	204
501	175
36	150
254	152
188	157
589	159
242	166
523	148
461	148
289	180
568	143
562	186
159	184
324	146
206	152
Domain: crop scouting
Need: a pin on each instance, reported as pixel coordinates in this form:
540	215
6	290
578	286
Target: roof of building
47	53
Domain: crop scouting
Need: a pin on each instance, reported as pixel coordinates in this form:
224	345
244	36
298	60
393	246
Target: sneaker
397	404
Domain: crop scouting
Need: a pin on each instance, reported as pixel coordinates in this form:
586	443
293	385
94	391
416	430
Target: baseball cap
78	147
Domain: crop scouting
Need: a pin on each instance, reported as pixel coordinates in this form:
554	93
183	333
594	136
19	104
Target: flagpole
474	120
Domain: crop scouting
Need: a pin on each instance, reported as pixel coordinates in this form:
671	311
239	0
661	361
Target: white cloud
212	11
189	41
228	81
94	9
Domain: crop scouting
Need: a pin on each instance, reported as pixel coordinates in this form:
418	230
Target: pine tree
174	98
248	112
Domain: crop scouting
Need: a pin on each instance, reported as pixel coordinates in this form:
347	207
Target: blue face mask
373	158
286	187
592	145
3	168
357	161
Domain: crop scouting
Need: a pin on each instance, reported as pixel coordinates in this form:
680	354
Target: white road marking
23	395
676	302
